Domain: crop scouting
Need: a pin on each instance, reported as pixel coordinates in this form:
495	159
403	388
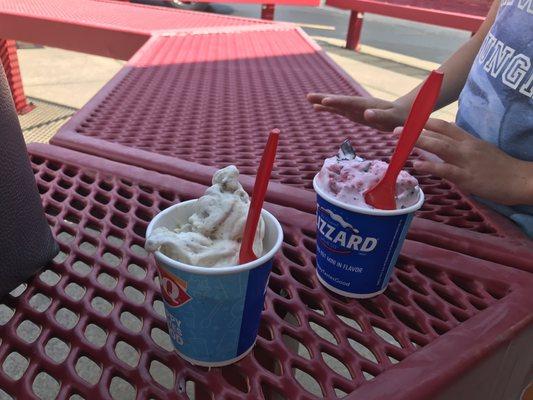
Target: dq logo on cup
174	289
356	252
213	319
213	314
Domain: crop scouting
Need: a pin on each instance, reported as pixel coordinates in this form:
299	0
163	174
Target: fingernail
326	100
398	130
370	113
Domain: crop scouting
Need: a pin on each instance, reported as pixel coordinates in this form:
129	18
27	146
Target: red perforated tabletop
91	324
120	15
211	100
106	27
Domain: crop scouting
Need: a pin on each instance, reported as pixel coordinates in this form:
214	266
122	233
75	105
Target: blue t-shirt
496	103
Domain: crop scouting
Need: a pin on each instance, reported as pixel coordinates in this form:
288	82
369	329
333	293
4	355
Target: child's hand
381	114
474	165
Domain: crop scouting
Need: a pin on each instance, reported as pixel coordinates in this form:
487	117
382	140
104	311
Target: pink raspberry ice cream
348	179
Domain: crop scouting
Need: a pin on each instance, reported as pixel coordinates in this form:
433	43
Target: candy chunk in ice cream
348	179
211	237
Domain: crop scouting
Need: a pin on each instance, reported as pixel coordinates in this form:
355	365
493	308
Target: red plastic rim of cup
368	211
169	262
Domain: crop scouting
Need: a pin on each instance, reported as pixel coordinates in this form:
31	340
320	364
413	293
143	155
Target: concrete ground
396	56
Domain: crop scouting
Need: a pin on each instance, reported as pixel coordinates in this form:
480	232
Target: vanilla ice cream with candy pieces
212	235
347	180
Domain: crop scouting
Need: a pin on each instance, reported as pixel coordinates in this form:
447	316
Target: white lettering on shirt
496	56
522	4
487	46
501	55
527	88
516	71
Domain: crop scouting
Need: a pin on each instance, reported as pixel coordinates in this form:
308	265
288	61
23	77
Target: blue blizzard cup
357	247
213	313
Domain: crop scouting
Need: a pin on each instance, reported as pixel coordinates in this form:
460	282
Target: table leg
267	11
9	60
354	31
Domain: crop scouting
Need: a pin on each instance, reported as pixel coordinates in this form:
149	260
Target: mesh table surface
211	100
115	29
91	324
119	16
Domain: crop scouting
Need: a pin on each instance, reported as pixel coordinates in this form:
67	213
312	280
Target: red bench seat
459	14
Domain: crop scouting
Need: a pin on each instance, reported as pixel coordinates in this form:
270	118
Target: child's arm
457	67
387	115
474	165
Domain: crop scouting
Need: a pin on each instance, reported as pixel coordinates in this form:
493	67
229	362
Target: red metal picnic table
270	66
459	14
9	61
210	99
102	27
91	324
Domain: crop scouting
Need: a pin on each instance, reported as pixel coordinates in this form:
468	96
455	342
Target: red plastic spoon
383	194
246	253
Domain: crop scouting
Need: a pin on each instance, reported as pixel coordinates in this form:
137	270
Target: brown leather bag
26	241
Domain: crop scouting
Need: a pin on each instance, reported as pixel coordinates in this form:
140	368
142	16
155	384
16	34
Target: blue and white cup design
357	247
213	314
